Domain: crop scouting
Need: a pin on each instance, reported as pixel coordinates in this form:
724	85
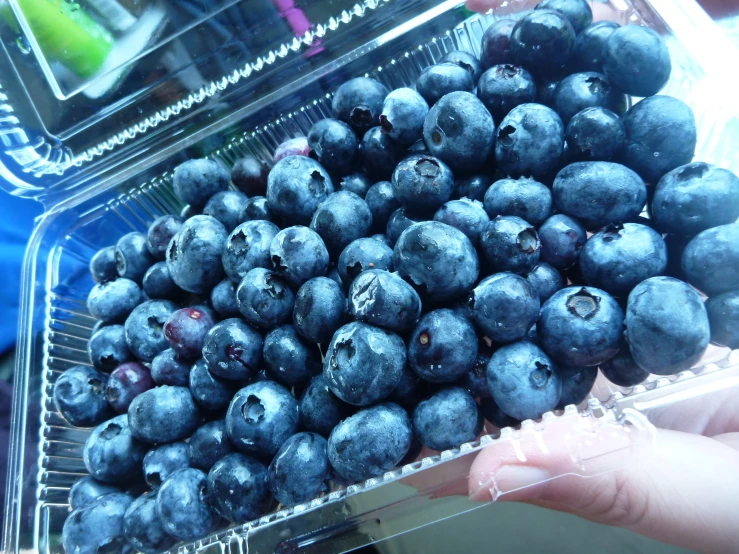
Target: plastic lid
89	85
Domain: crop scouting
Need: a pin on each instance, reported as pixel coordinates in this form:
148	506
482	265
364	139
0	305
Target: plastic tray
45	454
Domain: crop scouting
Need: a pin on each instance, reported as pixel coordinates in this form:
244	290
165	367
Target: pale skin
681	486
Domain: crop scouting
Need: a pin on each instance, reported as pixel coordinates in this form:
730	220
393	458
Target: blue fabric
16	226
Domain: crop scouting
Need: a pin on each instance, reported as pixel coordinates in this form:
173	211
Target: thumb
666	485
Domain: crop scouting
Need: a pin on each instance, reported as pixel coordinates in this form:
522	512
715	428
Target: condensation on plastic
45	452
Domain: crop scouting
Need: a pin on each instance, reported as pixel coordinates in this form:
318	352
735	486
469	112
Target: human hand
675	486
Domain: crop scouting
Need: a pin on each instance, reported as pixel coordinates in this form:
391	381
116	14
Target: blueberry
126	383
496	43
195	181
363	363
472	187
144	328
422	182
194	254
107	348
87	490
599	193
509	243
160	462
320	309
132	257
442	347
299	469
576	384
238	488
695	197
247	247
504	307
418	147
160	233
233	350
112	301
466	215
112	454
261	417
545	89
185	331
103	266
447	419
288	358
79	395
476	380
561	238
265	299
651	126
622	370
437	258
503	87
529	141
546	280
186	488
358	102
382	298
298	254
223	299
637	59
143	528
340	219
410	390
380	154
492	412
358	183
459	130
159	285
98	527
723	315
589	49
255	208
250	176
711	260
403	113
362	255
209	444
577	12
580	326
586	90
370	442
169	369
466	61
542	41
524	198
210	392
595	134
666	325
399	221
297	146
144	415
296	186
320	409
334	144
225	206
620	257
439	80
523	380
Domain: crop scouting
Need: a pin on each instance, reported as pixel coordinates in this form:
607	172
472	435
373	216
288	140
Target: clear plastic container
113	176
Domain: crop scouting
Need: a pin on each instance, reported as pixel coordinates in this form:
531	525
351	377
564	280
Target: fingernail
508	479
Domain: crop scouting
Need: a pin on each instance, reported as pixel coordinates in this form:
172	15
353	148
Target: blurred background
95	24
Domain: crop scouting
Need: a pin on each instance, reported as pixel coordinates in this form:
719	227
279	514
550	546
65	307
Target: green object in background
66	33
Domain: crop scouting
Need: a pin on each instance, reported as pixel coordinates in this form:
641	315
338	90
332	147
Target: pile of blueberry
474	247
